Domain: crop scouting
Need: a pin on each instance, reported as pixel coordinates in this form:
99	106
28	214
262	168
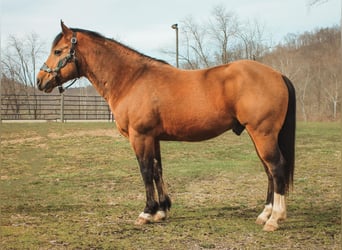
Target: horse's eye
57	52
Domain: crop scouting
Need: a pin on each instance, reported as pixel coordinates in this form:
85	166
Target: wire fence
54	107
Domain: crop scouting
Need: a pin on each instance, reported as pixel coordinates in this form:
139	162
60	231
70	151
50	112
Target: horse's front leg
164	199
144	149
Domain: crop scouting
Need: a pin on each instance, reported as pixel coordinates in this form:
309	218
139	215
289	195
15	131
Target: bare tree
253	40
196	42
332	88
333	94
20	58
19	64
224	28
221	39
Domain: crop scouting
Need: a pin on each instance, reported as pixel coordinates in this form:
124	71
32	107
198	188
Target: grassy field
77	186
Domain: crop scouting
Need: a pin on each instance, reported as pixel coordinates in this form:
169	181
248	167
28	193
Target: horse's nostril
39	83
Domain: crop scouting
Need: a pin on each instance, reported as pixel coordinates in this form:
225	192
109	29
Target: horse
152	101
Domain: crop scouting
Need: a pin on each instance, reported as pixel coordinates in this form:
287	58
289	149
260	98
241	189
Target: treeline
312	60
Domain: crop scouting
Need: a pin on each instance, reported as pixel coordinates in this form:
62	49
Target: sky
146	25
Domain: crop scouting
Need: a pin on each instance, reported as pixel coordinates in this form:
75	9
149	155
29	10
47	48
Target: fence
54	107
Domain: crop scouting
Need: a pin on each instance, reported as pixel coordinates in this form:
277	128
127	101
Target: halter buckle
73	40
61	89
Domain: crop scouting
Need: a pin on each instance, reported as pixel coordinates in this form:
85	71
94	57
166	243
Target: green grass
78	186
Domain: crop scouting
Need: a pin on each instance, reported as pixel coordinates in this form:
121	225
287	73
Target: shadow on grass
325	216
217	212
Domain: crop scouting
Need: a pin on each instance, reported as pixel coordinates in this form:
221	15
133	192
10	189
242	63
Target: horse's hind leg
269	153
164	199
264	216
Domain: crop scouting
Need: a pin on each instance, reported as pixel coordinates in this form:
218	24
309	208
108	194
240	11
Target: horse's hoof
269	227
143	219
260	220
159	216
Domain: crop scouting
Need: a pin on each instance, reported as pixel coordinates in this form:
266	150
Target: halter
62	63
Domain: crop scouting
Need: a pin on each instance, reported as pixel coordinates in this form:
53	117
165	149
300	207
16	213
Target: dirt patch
97	132
38	139
21	140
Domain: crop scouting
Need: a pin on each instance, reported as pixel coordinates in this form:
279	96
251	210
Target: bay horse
153	101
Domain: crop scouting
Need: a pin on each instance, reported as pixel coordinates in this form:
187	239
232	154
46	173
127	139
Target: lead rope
61	89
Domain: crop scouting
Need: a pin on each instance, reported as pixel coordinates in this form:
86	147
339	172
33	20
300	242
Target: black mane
99	36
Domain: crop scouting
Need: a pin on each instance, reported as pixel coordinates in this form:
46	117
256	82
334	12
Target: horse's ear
65	29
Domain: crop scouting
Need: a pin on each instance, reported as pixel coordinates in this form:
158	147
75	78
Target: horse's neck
109	66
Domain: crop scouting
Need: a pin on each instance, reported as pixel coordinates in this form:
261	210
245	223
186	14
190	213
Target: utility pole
175	27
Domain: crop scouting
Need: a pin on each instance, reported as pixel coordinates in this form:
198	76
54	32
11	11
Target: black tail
286	138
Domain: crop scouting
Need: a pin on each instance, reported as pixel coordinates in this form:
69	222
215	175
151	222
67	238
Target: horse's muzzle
46	86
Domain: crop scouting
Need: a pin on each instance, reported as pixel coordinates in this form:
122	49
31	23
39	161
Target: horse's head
61	66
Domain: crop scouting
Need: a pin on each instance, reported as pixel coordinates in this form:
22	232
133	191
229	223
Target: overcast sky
145	25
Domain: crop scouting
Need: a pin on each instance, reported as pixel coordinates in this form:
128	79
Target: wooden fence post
62	108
